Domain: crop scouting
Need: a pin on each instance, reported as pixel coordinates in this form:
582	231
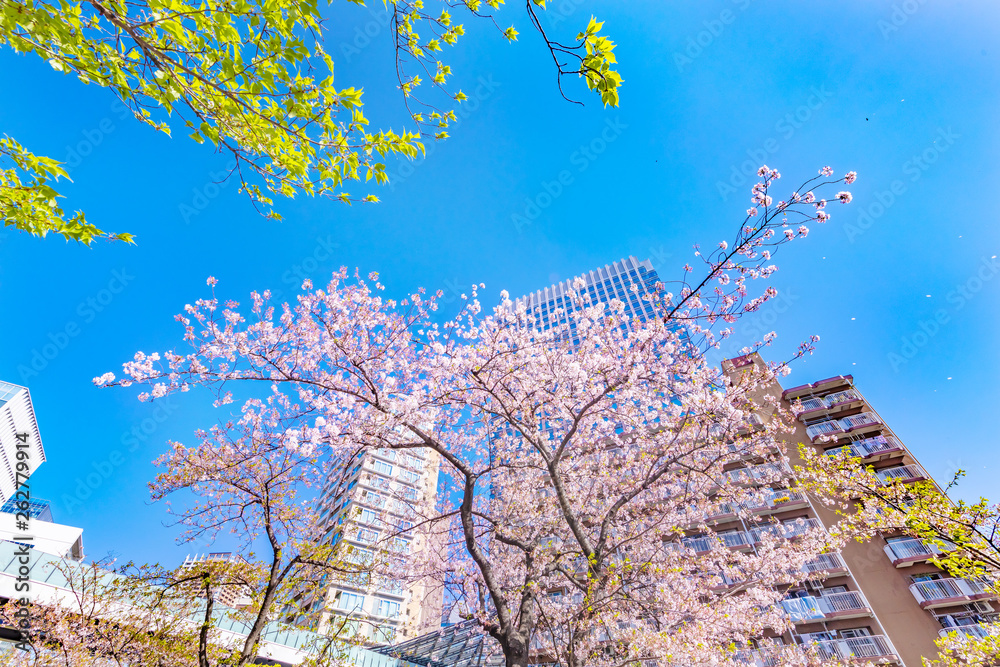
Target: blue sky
901	286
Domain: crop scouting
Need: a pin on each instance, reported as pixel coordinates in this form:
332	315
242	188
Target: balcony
822	385
769	502
945	592
827	428
788	530
723	512
834	606
762	474
778	500
859	423
752	657
878	446
734	539
977	631
875	646
811	406
826	564
904	553
908	473
817	405
863	421
841	399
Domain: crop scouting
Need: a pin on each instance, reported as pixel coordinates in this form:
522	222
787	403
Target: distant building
35	508
233	594
633	282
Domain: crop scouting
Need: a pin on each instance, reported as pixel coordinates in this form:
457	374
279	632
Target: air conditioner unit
981	607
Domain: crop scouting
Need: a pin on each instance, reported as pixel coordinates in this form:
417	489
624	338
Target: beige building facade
881	600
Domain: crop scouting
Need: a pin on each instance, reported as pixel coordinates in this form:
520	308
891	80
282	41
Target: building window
388	608
382	467
350	601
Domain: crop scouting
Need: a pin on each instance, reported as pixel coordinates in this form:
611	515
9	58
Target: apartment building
880	600
371	502
231	593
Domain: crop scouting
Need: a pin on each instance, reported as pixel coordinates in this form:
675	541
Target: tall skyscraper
18	432
372	501
628	280
21	453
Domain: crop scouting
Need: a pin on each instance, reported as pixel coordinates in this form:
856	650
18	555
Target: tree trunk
515	652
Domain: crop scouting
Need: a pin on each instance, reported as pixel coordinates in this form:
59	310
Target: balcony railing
734	539
907	473
825	563
699	544
787	530
817	403
777	498
770	499
859	421
875	646
844	604
834	605
831	427
837	426
752	657
878	445
842	397
977	631
909	551
829	401
761	474
943	592
722	510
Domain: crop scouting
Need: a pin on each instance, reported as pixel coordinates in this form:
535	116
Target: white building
47	537
18	432
371	502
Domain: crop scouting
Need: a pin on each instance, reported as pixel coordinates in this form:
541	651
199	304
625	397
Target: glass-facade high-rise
631	281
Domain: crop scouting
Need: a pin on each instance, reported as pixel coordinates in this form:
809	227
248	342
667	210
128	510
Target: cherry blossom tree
586	459
252	480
